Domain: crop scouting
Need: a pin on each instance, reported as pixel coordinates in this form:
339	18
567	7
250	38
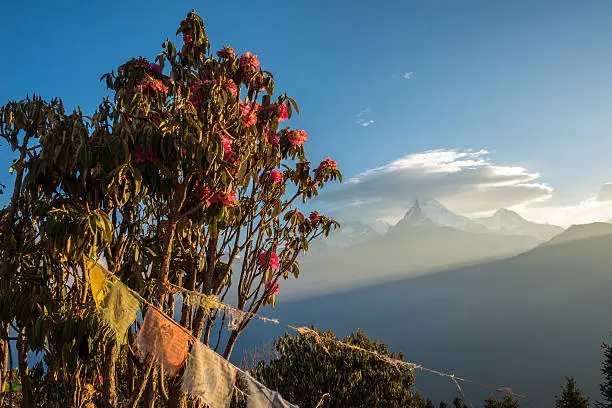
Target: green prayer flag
120	309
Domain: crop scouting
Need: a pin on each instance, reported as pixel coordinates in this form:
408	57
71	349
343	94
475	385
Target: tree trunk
109	381
229	347
22	357
4	357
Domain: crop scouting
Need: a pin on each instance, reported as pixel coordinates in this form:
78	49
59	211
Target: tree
606	384
571	397
458	403
184	176
307	367
507	402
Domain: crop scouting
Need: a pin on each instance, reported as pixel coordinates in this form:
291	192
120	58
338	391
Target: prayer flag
209	376
120	309
165	340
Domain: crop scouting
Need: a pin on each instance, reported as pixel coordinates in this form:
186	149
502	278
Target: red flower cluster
249	63
226	52
297	137
155	85
230	157
187	38
314	218
202	192
196	98
248	113
230	86
273	139
276	176
328	164
226	141
273	264
140	63
273	287
155	68
282	113
141	157
226	199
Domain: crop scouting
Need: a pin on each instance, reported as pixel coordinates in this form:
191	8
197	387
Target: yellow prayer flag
97	281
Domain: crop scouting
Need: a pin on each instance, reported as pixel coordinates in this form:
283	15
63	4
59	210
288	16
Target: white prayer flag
209	376
259	396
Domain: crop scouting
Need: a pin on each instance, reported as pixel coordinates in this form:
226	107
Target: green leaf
295	105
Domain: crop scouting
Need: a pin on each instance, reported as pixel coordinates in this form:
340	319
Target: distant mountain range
509	222
429	214
580	232
428	239
525	322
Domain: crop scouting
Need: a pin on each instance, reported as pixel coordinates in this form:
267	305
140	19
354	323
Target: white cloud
364	112
605	193
408	75
465	181
587	211
363	118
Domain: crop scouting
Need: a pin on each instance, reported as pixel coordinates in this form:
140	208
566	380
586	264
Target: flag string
170	319
212	300
313	333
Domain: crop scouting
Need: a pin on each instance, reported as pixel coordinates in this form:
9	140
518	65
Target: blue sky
528	81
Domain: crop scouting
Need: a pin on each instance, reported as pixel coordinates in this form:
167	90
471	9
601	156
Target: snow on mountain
350	233
430	213
379	226
505	221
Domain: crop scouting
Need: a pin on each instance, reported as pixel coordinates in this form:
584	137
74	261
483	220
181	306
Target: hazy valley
517	308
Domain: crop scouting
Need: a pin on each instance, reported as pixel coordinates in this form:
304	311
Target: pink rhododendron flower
297	137
273	264
248	113
276	176
328	164
273	139
139	156
227	199
202	192
315	218
282	113
249	62
187	38
231	87
273	287
230	156
153	84
155	68
226	52
226	141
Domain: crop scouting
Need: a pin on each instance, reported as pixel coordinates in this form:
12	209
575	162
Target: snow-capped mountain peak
504	218
430	212
509	222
